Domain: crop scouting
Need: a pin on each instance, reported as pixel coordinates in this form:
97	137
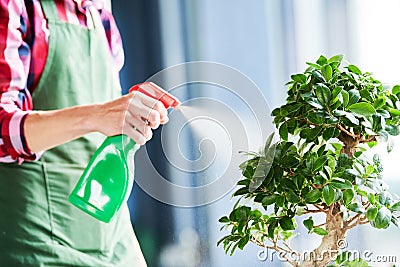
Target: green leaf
271	229
384	113
346	98
371	213
243	241
289	161
352	118
300	78
315	103
276	112
256	214
336	91
242	213
286	223
313	133
287	183
394	112
318	76
354	69
283	131
261	170
270	199
340	183
280	201
338	195
320	231
336	58
313	65
328	171
370	169
343	257
372	198
326	71
222	239
224	219
393	130
329	194
241	191
362	108
323	93
354	96
338	147
396	89
233	248
319	163
313	196
395	221
309	223
292	197
384	198
356	207
384	135
292	126
321	150
395	207
382	219
322	60
328	133
379	102
339	112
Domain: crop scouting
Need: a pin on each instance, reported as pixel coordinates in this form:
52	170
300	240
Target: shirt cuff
15	142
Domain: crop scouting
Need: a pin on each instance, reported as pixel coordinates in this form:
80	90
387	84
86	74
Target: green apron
38	226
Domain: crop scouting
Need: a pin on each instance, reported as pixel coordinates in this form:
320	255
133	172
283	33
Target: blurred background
267	41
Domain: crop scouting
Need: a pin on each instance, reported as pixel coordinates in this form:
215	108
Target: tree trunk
335	240
330	244
350	144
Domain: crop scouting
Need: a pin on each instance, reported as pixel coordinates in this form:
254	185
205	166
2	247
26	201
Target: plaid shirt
23	51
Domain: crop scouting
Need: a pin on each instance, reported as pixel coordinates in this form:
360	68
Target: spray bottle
106	181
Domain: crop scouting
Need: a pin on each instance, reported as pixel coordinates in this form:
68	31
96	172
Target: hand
134	114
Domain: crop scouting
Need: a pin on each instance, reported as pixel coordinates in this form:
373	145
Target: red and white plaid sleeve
15	99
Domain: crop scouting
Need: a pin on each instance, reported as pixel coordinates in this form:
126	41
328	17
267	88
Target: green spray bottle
107	179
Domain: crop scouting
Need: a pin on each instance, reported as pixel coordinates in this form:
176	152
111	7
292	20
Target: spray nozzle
156	92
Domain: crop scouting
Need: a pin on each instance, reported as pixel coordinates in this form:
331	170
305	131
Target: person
59	97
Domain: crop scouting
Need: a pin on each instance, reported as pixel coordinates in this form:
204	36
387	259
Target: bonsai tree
332	116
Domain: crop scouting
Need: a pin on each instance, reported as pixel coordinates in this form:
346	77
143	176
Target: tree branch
370	139
346	131
313	211
354	221
319	225
320	209
331	209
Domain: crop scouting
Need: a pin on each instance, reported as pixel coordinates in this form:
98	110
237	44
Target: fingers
150	109
137	129
155	105
144	113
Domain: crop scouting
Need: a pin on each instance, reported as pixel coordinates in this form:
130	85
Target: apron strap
50	9
93	19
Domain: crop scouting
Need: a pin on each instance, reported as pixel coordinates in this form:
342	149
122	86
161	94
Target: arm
125	115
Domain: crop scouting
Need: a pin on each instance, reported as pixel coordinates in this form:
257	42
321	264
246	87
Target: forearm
47	129
134	114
